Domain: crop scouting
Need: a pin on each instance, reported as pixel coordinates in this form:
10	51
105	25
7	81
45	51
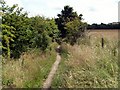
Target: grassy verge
89	66
29	71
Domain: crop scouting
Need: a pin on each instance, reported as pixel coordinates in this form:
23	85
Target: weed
89	65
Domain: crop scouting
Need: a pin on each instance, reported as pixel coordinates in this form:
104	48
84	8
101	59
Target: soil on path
47	83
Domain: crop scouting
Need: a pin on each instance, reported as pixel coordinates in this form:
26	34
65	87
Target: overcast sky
94	11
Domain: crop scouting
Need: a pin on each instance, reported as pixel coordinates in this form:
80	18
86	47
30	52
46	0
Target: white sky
94	11
119	12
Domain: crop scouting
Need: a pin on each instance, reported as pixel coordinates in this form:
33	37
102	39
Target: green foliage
52	29
40	32
64	50
32	73
8	82
70	24
14	17
7	37
34	32
39	35
75	29
66	15
44	32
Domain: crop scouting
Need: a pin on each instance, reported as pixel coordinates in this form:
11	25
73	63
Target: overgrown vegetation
88	65
28	51
70	25
30	70
21	32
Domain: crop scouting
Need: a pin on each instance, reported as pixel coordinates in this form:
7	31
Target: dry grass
30	70
89	65
109	34
78	55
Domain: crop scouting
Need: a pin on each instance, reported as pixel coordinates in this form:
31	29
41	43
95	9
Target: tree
14	17
34	32
75	29
52	29
44	32
70	23
40	38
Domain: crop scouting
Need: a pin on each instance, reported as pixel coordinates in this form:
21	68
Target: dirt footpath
47	83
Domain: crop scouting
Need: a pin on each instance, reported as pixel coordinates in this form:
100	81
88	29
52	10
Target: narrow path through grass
49	79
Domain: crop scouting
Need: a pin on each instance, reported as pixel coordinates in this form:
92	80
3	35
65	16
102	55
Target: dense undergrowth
30	70
28	51
88	65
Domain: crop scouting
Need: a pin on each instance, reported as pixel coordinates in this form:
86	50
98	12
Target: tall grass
30	71
89	65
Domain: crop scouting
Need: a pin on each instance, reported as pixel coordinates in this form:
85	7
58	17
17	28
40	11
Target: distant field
108	33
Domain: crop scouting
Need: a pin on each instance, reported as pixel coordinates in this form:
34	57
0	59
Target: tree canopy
70	24
21	33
